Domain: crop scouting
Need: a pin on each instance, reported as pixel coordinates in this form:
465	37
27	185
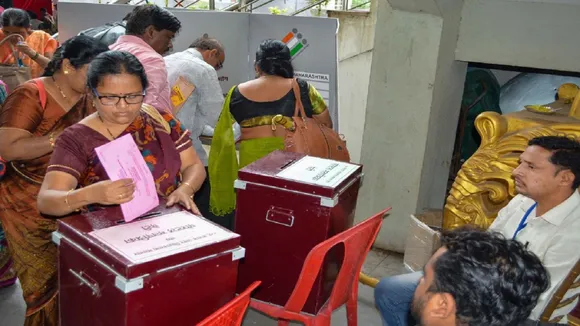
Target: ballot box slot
143	217
287	164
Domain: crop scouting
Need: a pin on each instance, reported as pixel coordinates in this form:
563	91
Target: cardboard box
422	239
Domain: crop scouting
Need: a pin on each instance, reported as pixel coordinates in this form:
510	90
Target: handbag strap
14	52
298	107
41	91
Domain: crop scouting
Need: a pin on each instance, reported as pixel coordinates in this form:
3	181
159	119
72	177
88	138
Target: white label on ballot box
318	171
162	236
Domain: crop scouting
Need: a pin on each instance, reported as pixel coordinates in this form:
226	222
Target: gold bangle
66	199
51	139
189	185
67	202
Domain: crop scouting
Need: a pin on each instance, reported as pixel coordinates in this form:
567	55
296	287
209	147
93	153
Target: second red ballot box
287	203
168	268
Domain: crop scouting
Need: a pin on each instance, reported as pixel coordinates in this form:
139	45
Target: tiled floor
378	264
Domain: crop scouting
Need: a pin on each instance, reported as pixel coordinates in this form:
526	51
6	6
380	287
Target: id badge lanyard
524	220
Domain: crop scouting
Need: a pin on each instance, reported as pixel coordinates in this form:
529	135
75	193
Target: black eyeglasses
219	65
110	100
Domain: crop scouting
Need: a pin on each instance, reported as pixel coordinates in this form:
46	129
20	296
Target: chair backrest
560	298
357	242
233	312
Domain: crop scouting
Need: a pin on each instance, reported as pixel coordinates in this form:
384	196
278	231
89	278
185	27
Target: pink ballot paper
122	159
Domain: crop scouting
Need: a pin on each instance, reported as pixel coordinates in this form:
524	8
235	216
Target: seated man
479	278
545	215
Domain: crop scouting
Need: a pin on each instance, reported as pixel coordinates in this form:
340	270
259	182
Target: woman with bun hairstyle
254	106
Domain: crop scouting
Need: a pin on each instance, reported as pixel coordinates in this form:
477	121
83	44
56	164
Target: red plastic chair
357	243
233	312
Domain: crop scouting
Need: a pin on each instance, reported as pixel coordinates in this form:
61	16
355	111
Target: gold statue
484	184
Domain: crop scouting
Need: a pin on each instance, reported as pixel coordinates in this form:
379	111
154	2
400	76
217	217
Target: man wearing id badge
197	99
544	216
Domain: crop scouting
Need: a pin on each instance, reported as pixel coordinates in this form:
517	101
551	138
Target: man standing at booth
197	100
149	34
545	216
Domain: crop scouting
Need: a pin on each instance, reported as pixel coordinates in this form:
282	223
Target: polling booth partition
312	40
150	268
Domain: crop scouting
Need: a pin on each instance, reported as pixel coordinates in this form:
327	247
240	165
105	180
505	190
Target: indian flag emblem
295	42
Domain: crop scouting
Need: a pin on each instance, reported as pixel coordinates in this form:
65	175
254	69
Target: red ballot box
169	267
287	203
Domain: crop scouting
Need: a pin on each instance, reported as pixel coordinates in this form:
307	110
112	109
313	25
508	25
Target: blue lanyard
523	222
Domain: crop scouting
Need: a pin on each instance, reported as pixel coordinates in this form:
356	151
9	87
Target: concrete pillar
415	91
355	51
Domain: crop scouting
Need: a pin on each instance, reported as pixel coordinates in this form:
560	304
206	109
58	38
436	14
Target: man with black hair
149	34
479	278
545	216
202	104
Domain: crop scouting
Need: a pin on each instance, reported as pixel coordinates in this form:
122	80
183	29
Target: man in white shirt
201	110
545	215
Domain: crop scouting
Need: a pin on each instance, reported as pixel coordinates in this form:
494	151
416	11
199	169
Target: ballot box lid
300	173
159	240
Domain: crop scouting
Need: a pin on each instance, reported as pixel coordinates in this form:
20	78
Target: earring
66	72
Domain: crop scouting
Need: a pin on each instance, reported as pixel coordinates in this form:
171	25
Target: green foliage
201	5
317	10
277	11
360	4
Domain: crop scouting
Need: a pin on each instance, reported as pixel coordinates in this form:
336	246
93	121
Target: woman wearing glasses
31	119
75	179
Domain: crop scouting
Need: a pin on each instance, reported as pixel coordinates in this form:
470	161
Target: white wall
520	33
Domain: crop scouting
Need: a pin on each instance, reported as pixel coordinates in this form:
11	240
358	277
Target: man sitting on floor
545	216
479	278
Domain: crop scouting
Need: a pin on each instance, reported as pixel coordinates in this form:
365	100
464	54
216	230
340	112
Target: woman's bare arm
192	171
18	144
56	198
42	60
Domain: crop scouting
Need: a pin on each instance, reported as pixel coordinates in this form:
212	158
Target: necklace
103	122
57	86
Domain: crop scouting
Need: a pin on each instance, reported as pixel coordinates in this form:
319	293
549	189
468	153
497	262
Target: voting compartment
287	203
169	267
